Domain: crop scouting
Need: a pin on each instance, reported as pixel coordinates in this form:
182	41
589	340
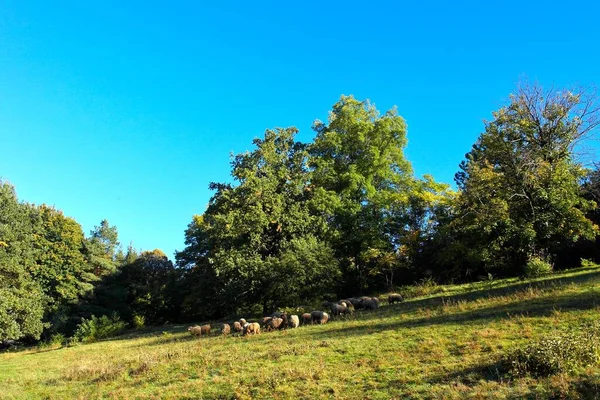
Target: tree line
340	216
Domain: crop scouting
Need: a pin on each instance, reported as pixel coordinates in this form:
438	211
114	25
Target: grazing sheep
319	317
199	330
243	321
293	321
336	310
226	329
370	304
395	297
354	301
306	318
266	321
237	327
275	323
251	328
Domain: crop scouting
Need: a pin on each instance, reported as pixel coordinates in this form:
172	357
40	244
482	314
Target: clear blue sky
127	110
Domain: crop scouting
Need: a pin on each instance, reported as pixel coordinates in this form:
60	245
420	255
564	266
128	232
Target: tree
360	177
244	246
149	281
22	301
520	195
59	264
102	249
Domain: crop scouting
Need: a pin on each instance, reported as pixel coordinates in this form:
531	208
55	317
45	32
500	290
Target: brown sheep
237	327
275	323
337	309
251	328
293	321
226	329
195	330
395	297
266	321
199	330
319	317
306	318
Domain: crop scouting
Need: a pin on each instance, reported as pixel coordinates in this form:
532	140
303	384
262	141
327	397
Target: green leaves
520	194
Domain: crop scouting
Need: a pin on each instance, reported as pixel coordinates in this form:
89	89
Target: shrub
139	321
588	263
537	267
561	353
92	329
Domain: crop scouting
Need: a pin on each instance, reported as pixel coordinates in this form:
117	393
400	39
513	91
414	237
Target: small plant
561	353
588	263
537	267
90	330
139	321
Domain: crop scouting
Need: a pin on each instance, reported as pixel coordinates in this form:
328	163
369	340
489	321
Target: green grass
444	343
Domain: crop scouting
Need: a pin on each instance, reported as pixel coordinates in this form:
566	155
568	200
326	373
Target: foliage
22	301
258	242
564	352
537	267
90	330
588	264
520	195
102	249
139	321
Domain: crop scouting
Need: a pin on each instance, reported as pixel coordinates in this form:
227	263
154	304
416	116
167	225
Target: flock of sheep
281	320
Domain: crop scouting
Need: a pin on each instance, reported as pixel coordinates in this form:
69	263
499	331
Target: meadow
442	342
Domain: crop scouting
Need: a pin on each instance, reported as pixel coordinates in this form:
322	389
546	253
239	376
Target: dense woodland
340	216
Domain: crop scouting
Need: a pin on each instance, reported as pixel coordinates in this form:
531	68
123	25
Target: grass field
444	343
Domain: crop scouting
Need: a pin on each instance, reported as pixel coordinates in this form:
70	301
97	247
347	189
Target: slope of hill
446	342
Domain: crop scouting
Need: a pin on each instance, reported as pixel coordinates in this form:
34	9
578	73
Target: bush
90	330
537	267
139	321
588	263
562	353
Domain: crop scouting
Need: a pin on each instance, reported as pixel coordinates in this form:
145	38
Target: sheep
319	317
266	321
226	329
337	309
370	304
395	297
354	301
237	327
199	330
306	318
243	321
251	328
376	300
275	323
293	321
344	303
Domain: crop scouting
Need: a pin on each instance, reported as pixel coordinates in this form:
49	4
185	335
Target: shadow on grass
481	293
536	307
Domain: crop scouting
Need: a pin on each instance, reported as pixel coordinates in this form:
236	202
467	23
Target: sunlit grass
444	343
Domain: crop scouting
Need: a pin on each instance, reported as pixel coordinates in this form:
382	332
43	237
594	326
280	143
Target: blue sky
128	111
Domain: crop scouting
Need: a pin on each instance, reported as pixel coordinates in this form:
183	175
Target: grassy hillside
443	343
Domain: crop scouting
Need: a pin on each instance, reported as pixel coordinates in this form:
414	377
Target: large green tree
362	182
22	301
520	184
259	241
